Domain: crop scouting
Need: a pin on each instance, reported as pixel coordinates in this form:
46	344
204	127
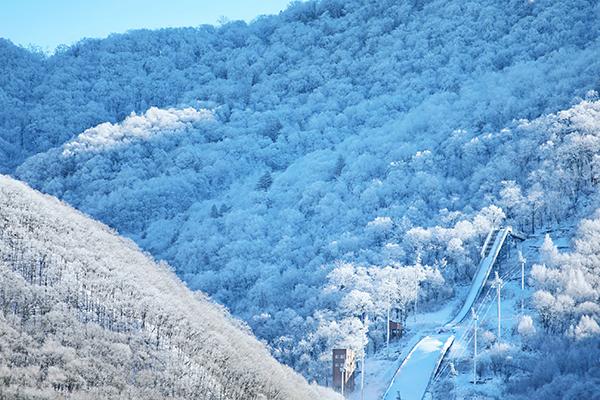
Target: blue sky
48	23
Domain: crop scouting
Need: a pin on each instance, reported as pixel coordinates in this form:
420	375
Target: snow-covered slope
85	314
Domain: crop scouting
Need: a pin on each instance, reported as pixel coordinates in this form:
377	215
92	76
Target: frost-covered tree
566	304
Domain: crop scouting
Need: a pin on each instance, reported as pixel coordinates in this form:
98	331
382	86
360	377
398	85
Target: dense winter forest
86	315
341	159
561	361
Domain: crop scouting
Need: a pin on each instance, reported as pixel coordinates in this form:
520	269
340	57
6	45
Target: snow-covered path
414	374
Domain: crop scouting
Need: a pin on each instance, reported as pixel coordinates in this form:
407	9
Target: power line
508	275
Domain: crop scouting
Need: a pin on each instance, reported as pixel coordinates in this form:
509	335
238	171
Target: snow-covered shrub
585	328
525	327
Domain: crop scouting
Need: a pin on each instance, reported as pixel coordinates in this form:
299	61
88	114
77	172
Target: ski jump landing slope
418	368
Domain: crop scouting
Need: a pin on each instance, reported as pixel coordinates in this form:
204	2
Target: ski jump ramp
418	368
420	365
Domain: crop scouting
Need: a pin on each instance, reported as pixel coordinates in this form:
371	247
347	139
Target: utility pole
387	339
497	284
417	295
453	374
362	377
522	260
362	372
417	267
474	315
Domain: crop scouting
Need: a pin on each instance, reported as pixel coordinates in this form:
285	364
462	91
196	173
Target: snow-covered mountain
85	314
339	160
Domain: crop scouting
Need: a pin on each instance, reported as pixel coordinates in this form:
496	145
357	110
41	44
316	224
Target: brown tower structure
343	369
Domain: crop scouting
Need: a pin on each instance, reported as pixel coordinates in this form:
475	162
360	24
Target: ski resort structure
411	380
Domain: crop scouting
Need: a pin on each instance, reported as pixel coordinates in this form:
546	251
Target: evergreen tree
265	181
339	166
214	213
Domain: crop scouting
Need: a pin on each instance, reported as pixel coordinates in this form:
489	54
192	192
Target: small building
396	329
344	366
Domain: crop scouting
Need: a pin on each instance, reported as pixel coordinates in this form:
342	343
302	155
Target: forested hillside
84	314
558	358
316	74
271	162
